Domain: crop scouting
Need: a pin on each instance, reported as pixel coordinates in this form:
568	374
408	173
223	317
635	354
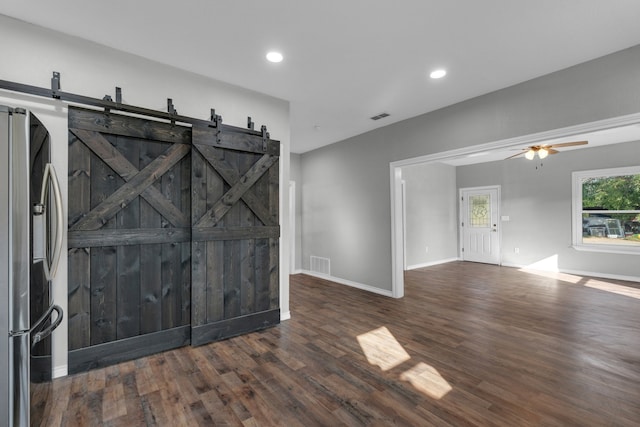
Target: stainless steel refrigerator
30	245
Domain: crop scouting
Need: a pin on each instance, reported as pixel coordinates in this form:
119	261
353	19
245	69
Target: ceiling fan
544	150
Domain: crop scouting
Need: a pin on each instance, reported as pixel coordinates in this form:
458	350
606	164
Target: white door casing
292	227
479	225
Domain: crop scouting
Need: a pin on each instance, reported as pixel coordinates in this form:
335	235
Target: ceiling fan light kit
542	153
530	154
544	150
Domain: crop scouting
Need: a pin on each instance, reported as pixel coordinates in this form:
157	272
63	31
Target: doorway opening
482	153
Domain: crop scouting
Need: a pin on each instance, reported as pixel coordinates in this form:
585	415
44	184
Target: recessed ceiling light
274	56
438	74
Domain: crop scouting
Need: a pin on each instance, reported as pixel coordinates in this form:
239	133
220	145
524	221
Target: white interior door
480	235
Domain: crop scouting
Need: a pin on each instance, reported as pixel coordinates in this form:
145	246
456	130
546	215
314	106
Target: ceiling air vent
380	116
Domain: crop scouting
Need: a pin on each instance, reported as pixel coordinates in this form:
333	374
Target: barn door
235	231
129	237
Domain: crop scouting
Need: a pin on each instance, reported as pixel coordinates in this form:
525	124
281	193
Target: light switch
505	217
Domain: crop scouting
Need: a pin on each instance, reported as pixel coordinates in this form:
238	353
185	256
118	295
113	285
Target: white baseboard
297	272
511	265
60	371
579	273
368	288
431	264
602	275
285	315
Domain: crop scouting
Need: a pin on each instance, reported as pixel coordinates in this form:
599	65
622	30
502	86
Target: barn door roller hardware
108	98
215	119
171	110
265	138
108	104
118	96
55	85
56	93
263	130
216	122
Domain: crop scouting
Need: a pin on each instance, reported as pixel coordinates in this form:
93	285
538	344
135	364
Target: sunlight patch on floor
381	348
548	267
428	380
613	288
570	278
600	284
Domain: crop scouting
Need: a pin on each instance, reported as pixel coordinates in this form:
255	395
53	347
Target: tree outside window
607	209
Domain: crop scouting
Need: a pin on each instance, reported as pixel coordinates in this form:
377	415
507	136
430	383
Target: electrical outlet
516	250
427	248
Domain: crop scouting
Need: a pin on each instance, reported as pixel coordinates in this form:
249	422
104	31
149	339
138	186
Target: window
606	210
479	211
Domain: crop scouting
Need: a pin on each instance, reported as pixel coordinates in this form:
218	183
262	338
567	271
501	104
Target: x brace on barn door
116	161
136	184
239	188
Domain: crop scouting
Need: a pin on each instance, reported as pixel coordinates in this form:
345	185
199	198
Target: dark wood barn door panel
173	235
40	298
235	231
129	234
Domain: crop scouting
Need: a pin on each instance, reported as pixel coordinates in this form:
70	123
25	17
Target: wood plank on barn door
128	242
214	267
78	307
150	254
248	246
103	276
128	256
172	257
234	227
231	213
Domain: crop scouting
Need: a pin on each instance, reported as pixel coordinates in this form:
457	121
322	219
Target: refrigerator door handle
50	176
40	335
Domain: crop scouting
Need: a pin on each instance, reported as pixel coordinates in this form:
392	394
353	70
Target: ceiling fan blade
515	155
551	150
568	144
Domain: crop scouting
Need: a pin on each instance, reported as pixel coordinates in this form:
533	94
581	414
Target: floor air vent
321	265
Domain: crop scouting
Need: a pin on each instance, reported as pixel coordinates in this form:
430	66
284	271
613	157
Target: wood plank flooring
469	345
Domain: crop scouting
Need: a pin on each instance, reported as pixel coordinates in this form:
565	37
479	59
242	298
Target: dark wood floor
470	344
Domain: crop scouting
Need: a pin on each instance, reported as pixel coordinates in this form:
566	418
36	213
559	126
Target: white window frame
576	209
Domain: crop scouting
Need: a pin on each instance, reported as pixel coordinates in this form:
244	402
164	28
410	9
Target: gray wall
538	203
346	202
431	213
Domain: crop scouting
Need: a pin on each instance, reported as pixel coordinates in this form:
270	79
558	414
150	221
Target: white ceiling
348	60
